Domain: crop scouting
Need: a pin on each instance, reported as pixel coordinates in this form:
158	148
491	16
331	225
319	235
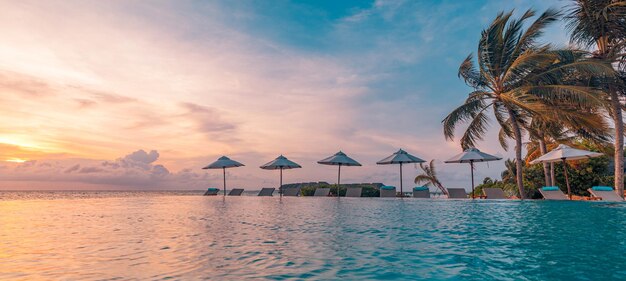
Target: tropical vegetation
582	174
429	177
545	95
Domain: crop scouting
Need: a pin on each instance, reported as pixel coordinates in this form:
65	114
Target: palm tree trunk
619	143
546	169
552	174
518	154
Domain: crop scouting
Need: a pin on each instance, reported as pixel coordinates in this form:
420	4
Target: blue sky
195	80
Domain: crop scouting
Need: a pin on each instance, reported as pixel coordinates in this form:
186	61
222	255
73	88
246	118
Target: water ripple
194	237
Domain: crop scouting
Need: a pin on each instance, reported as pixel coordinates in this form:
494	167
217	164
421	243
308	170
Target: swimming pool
196	237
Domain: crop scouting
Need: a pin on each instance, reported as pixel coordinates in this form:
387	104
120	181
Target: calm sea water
86	236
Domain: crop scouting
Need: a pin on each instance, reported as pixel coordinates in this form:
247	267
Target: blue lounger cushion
420	188
213	189
550	188
602	188
387	187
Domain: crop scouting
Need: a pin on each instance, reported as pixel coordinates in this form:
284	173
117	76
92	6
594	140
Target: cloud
208	119
133	171
91	80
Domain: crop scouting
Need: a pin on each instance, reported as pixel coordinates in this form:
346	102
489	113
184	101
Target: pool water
195	237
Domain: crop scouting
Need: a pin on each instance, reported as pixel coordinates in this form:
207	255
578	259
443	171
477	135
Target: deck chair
494	193
552	193
291	191
211	191
421	192
606	193
322	192
457	193
235	192
387	191
267	191
354	191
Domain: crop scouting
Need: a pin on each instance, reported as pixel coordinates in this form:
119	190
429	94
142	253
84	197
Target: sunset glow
91	82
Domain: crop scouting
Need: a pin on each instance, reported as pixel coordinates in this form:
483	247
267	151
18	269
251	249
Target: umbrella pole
569	191
280	187
224	169
472	168
401	192
338	180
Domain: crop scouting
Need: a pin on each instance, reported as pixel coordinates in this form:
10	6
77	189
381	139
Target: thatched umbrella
563	153
339	159
400	157
280	163
223	163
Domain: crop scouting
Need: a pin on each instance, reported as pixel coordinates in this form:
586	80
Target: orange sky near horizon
91	88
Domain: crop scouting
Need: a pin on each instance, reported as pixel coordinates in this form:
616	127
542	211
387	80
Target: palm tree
515	80
544	132
601	23
429	177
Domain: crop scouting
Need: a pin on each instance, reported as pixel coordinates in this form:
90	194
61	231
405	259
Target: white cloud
133	171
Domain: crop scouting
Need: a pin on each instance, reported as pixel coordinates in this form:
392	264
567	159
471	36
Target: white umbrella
223	163
470	156
339	159
562	153
280	163
400	157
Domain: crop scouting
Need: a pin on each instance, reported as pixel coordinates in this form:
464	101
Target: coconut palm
544	133
429	177
516	79
601	23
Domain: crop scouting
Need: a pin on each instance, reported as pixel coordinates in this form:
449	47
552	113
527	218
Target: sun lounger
322	192
267	191
387	191
457	193
494	193
236	192
421	192
607	193
291	191
552	193
354	191
211	191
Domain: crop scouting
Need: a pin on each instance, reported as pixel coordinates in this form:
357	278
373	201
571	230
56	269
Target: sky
143	94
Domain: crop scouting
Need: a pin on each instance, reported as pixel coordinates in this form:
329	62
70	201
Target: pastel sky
142	94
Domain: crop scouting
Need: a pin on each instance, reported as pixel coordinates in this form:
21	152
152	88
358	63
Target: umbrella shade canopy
223	162
339	158
400	157
281	162
471	155
565	152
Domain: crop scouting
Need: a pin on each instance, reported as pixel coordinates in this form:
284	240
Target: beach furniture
291	191
457	193
280	163
354	191
223	163
400	157
267	191
322	192
235	192
563	153
387	191
421	192
211	191
471	156
494	193
339	159
607	193
552	193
